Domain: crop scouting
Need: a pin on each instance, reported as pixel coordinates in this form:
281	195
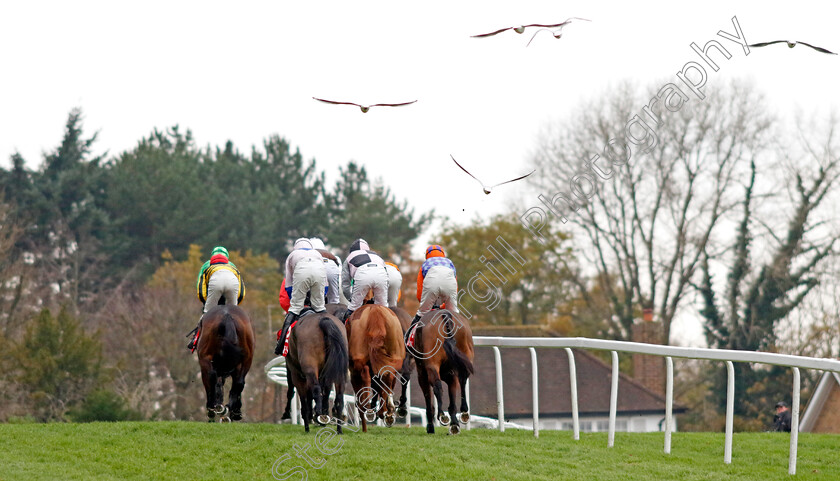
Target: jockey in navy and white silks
305	274
363	271
436	283
333	264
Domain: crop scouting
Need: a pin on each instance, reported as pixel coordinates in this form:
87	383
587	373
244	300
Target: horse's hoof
286	416
444	419
464	417
430	429
370	415
389	420
236	416
402	411
224	419
220	409
454	429
323	419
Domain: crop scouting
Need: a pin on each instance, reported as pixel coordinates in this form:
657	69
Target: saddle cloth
286	342
411	332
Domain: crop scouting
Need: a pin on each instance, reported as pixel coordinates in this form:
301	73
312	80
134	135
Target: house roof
593	381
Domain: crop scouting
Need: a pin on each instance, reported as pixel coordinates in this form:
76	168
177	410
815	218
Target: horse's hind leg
454	387
464	417
306	409
208	377
237	385
338	404
405	377
316	393
220	408
437	384
423	379
290	394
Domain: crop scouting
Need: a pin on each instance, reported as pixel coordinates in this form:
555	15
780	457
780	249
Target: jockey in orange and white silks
436	283
333	264
305	274
363	271
394	283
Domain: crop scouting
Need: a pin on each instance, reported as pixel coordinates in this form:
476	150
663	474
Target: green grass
202	451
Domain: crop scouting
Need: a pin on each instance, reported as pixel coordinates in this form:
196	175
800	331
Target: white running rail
669	352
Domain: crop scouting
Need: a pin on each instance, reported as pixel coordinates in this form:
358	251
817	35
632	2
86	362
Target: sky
247	71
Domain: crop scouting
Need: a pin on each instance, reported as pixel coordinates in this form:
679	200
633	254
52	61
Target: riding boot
290	318
347	314
194	335
413	322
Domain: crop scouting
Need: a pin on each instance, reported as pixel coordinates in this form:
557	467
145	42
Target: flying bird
522	28
791	44
487	189
557	34
364	108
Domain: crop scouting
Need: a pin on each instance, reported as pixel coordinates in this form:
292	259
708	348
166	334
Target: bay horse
316	362
377	353
443	351
225	349
336	310
408	363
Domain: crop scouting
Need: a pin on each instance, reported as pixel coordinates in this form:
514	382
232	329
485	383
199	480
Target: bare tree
645	214
775	258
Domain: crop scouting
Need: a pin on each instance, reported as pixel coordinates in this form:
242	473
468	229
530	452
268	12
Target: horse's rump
336	357
460	359
385	342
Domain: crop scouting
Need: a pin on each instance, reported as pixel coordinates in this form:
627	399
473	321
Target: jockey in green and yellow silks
218	279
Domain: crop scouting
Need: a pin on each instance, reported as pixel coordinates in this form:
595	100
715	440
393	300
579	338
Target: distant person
218	280
782	418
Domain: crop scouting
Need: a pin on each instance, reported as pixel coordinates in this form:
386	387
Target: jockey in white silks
305	274
333	264
363	271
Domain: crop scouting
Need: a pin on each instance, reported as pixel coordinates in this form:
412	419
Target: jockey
218	278
394	283
333	265
436	283
363	271
306	273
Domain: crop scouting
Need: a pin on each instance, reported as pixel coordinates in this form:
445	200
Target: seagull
364	108
487	189
791	44
522	28
557	34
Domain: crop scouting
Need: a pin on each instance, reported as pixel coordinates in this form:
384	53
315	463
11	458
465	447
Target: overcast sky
246	71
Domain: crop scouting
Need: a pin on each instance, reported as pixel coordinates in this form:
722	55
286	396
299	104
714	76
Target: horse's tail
337	358
230	348
456	356
377	331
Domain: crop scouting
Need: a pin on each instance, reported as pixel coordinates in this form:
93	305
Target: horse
377	353
443	350
225	349
336	310
408	363
317	361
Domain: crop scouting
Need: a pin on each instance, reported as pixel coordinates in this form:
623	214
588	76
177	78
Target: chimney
647	369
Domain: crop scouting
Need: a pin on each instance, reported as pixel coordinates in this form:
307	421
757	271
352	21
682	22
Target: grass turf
193	451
